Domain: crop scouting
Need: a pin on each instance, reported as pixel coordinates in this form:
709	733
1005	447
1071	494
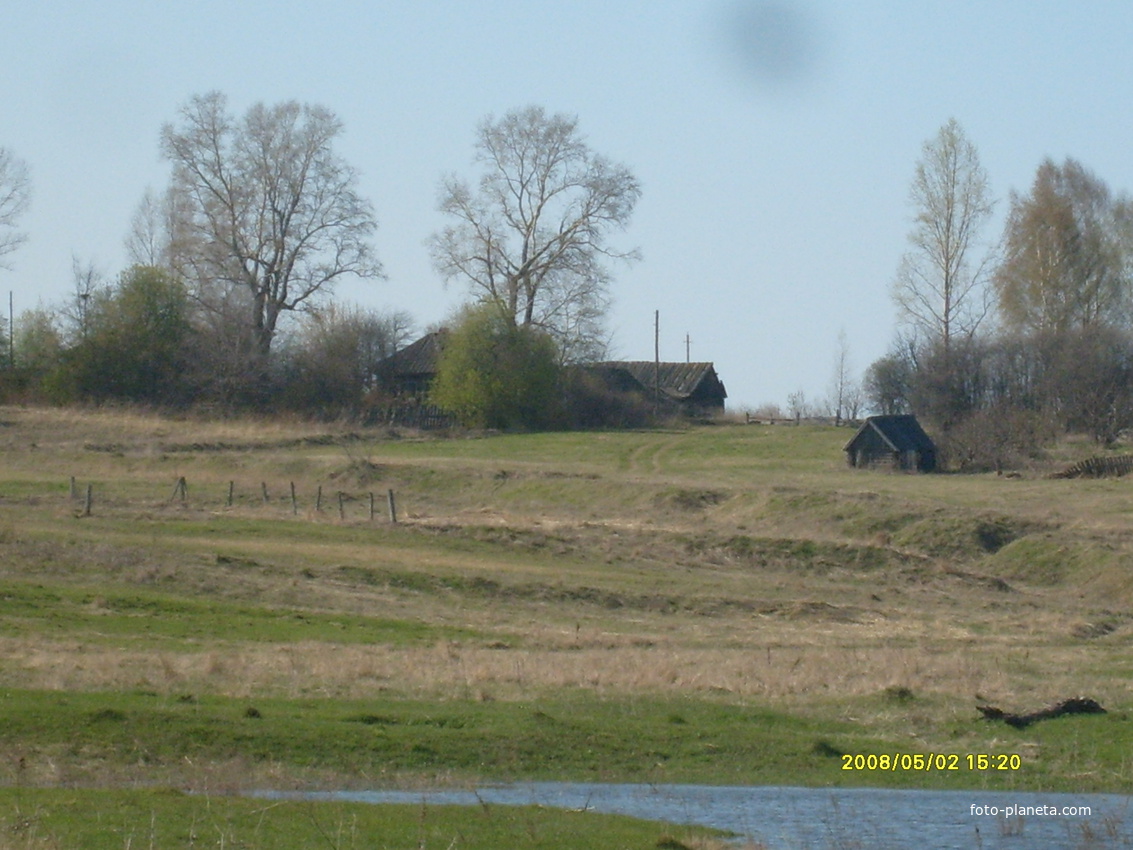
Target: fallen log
1076	705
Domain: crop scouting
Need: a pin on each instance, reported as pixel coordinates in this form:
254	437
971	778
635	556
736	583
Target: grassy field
724	604
37	819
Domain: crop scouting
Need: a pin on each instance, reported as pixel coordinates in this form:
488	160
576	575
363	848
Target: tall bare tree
15	196
532	235
940	284
845	391
90	287
265	205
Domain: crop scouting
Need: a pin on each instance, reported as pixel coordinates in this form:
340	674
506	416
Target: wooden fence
1098	467
340	502
427	417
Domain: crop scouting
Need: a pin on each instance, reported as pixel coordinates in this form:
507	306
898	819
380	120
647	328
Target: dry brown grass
138	429
776	665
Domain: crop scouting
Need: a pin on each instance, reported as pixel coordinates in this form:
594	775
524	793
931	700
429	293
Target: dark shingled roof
678	381
902	433
418	358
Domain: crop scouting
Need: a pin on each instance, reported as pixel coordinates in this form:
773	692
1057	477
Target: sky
775	141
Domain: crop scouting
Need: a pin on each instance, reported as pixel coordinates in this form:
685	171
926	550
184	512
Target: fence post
392	508
231	492
90	500
294	504
74	490
341	506
371	506
319	500
264	487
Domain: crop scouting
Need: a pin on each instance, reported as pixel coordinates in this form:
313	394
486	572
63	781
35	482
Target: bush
590	402
135	345
493	373
996	439
333	364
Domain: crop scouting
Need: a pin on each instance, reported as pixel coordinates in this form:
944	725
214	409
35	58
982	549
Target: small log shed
891	442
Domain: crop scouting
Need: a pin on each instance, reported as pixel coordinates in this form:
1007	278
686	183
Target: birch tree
940	284
1066	254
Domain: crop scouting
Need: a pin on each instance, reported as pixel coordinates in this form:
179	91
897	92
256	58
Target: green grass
1073	754
110	820
556	737
559	737
730	452
126	617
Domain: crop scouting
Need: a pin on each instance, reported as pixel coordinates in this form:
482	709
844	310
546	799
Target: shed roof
902	433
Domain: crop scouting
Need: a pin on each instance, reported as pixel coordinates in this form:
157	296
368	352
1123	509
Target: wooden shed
892	442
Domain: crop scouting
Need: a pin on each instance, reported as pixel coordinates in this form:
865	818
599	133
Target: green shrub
496	374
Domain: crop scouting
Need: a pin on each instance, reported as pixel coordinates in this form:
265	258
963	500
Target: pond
822	818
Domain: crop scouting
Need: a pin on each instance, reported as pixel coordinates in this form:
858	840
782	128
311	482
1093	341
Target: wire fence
369	505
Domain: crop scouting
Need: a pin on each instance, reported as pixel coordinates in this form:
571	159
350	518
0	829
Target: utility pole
657	357
11	332
688	348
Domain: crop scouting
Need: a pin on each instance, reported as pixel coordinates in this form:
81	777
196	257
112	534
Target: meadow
721	604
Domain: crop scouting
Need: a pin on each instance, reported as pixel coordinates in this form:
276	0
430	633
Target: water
820	818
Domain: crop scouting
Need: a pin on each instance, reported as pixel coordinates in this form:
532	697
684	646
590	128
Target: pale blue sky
774	141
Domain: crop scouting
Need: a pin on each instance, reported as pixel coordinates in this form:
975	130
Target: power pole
688	348
657	357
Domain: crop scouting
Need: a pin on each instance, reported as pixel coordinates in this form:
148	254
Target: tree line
228	298
1004	346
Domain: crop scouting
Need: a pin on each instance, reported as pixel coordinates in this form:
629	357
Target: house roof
901	433
678	381
420	357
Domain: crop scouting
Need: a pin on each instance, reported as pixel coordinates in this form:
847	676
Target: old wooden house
411	371
892	442
693	388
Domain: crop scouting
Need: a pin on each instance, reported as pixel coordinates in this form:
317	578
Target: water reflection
820	818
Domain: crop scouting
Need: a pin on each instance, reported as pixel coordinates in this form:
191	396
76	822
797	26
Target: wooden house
411	371
891	442
693	388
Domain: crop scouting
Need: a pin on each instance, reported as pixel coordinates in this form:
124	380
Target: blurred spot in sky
776	44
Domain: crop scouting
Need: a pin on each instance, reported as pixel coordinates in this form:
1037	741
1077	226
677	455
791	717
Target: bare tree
147	243
90	286
162	233
15	196
264	205
532	236
337	356
845	392
358	339
939	286
797	406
